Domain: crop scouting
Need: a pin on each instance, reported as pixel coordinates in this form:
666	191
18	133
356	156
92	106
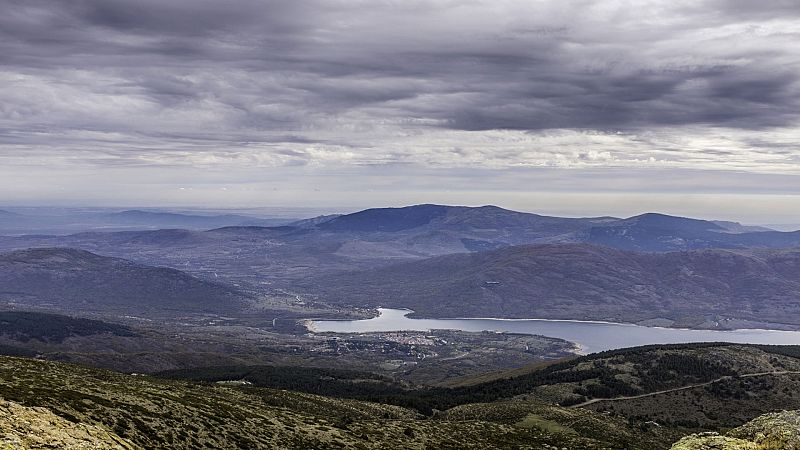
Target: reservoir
591	336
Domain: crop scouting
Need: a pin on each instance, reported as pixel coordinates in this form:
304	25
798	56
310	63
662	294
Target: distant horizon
311	211
559	108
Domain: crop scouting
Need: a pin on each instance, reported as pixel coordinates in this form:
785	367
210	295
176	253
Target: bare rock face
713	441
779	430
773	431
23	427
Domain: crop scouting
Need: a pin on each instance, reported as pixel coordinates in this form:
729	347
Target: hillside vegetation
76	280
157	413
641	383
54	328
226	412
579	281
705	386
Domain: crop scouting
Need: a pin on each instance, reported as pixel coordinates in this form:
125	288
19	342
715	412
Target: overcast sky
560	107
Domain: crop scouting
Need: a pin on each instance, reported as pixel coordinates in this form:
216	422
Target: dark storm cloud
526	65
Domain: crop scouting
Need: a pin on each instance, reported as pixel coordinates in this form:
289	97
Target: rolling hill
145	412
437	229
645	398
471	228
79	281
659	232
254	255
160	219
64	221
54	328
579	281
705	385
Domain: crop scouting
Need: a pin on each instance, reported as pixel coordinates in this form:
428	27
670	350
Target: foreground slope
32	428
705	386
505	413
773	431
578	281
155	413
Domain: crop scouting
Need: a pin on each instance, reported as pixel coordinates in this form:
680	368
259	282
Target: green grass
536	421
154	412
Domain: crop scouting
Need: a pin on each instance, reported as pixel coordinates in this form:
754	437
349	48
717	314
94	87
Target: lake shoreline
413	315
590	336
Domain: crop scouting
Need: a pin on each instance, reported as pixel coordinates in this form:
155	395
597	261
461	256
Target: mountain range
438	229
61	222
221	311
581	281
438	259
159	219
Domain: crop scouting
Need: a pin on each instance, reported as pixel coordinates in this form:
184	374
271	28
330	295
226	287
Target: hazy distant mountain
378	237
437	229
314	221
578	281
61	222
388	219
452	218
736	227
784	226
659	232
157	219
79	281
8	218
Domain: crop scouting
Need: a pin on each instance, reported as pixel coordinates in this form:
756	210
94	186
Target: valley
411	225
285	337
528	266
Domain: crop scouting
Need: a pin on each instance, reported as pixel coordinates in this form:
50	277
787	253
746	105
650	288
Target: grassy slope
642	371
155	413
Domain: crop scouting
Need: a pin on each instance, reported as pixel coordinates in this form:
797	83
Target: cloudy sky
560	107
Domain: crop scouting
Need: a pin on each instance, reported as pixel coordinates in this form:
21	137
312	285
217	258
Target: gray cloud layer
499	84
467	65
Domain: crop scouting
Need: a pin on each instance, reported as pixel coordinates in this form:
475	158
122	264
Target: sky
558	107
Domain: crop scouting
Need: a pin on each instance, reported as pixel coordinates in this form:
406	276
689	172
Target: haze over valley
242	305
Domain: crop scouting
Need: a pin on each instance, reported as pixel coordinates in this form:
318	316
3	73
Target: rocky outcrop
774	431
23	427
713	441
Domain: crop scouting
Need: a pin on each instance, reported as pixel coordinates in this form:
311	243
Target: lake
591	336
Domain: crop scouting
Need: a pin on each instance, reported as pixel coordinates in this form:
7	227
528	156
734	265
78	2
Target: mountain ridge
582	281
78	280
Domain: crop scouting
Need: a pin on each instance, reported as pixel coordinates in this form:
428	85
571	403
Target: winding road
683	388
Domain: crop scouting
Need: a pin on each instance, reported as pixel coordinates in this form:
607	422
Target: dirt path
682	388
